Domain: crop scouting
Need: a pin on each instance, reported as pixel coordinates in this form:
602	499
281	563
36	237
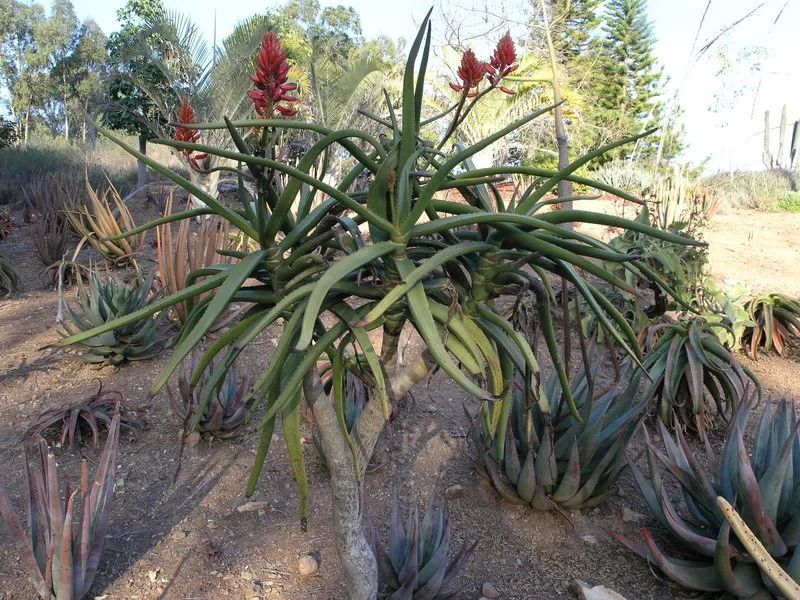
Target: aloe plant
545	457
226	414
87	416
61	556
10	281
416	564
429	264
688	365
775	326
761	486
110	300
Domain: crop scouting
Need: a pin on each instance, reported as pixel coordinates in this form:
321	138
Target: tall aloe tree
429	264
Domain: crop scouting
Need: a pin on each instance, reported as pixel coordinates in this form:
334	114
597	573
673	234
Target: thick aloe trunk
358	560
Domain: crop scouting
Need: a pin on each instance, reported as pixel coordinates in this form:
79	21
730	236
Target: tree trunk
358	560
562	141
355	552
141	179
27	120
66	111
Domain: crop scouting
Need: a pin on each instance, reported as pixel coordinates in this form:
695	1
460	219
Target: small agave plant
207	408
61	557
106	300
544	457
763	488
415	566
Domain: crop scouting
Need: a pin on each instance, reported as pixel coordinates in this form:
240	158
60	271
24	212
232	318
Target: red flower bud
470	72
270	79
188	134
503	60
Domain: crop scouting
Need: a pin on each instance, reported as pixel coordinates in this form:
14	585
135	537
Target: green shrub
788	202
8	133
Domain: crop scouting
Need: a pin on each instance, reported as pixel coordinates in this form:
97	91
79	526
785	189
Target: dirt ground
187	541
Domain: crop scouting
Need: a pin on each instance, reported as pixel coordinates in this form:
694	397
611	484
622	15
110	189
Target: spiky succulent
105	300
763	487
415	566
776	326
61	557
218	410
672	271
51	237
688	365
9	278
79	419
545	457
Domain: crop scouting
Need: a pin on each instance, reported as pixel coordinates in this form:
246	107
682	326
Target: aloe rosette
109	301
218	411
775	324
688	365
431	264
416	564
547	458
762	487
60	556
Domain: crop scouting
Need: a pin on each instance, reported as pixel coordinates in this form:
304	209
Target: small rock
257	587
152	575
621	492
251	507
307	565
489	591
518	563
630	516
228	576
179	535
192	439
589	539
454	491
599	592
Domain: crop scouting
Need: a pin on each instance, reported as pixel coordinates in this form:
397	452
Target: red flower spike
503	60
188	134
471	73
270	79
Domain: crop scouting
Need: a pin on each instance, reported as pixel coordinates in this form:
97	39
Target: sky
722	93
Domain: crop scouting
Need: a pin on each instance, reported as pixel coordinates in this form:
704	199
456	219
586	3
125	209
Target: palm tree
216	80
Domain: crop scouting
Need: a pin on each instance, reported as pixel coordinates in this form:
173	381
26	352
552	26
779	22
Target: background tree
18	22
88	71
627	94
130	108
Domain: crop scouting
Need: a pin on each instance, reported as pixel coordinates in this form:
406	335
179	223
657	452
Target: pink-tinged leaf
752	512
696	541
694	575
742	581
23	544
64	588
